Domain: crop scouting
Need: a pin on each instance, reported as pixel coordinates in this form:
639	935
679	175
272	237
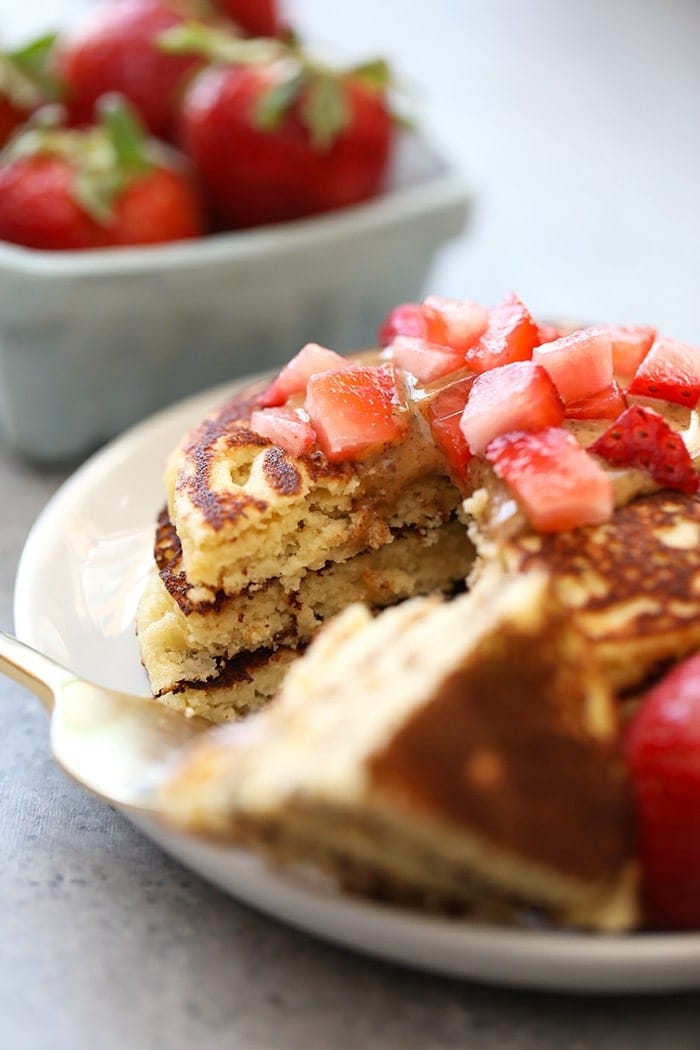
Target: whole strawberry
275	137
101	187
115	49
25	84
663	756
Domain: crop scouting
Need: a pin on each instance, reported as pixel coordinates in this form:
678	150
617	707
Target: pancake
226	657
417	752
632	584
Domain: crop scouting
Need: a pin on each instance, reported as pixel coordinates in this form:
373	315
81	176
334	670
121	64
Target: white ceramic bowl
90	342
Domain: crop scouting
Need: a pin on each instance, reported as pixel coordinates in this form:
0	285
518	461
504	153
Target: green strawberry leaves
25	76
325	109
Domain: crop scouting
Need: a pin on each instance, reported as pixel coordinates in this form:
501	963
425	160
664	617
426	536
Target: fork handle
33	670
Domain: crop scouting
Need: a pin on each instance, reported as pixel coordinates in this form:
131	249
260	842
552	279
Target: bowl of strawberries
186	194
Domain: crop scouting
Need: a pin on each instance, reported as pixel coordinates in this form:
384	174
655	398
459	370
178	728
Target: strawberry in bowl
103	187
275	135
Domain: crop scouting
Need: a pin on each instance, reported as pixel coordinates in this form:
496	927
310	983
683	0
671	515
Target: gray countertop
579	125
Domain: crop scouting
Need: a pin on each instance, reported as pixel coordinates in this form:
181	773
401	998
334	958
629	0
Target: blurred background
576	124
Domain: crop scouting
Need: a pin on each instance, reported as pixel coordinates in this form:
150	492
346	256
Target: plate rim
560	960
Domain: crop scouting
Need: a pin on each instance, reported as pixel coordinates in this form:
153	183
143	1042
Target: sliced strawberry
671	370
547	333
445	414
511	335
284	428
661	749
606	404
580	364
354	411
426	361
643	439
465	322
557	483
520	396
415	320
293	378
630	345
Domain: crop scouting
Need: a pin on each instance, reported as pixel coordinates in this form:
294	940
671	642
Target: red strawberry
25	83
643	439
116	49
511	335
464	321
285	428
445	415
662	749
102	187
257	17
606	404
670	370
520	396
557	483
293	378
426	361
354	411
630	345
580	364
412	319
281	138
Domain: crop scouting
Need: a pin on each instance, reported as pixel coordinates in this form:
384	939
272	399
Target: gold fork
115	744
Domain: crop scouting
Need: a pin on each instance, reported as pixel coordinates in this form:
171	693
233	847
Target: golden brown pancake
419	751
632	584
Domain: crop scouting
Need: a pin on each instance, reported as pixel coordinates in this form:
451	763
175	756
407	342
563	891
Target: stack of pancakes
256	549
399	752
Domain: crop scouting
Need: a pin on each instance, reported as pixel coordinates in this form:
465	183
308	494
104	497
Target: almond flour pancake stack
464	752
257	548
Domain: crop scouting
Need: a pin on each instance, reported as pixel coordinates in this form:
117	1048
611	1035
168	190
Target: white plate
76	593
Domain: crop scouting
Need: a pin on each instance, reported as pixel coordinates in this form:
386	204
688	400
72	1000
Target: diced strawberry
426	361
643	439
557	483
671	370
630	345
547	333
520	396
465	322
293	378
445	414
284	428
414	320
511	335
662	749
354	411
580	364
606	404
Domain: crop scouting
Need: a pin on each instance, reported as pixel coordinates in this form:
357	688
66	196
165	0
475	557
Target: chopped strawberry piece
557	483
465	322
414	320
671	370
511	335
284	428
643	439
661	749
520	396
354	411
606	404
630	345
547	333
580	364
293	378
426	361
445	414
